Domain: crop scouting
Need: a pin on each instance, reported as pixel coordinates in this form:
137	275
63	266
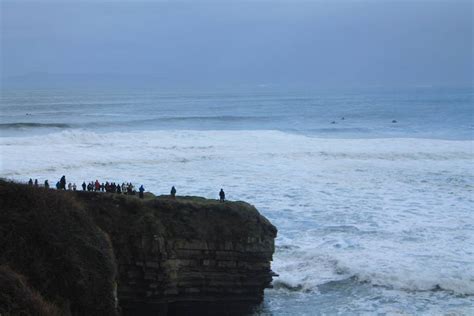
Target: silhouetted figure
74	187
84	186
58	185
173	192
30	183
119	189
62	182
141	190
97	185
69	186
222	195
36	183
46	184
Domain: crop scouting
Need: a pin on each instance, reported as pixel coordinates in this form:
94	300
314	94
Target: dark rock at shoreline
159	255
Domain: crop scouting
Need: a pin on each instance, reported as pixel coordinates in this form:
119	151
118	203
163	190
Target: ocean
371	190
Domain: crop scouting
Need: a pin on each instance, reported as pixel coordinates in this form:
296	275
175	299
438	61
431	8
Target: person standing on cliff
46	184
62	183
36	183
222	195
173	192
30	183
141	190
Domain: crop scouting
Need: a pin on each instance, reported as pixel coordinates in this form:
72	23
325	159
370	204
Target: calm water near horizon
374	216
422	113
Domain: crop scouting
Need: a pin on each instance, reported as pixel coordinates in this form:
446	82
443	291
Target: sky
230	42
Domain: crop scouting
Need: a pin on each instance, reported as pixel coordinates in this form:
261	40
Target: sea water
371	191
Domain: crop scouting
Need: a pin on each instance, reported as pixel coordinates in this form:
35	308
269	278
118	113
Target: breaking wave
317	277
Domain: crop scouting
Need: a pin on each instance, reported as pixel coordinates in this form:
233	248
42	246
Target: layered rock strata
173	253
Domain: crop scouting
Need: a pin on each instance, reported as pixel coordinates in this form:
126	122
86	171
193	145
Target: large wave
313	270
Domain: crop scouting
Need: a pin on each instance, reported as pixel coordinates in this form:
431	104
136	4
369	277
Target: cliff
102	254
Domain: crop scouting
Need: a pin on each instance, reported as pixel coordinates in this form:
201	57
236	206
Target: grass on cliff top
188	217
197	200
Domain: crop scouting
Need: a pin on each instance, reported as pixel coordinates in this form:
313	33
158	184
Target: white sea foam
395	213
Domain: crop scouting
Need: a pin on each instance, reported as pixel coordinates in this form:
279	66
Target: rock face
183	256
176	255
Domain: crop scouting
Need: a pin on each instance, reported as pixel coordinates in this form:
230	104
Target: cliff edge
107	254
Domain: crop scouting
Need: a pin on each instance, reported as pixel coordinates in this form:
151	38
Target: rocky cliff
106	253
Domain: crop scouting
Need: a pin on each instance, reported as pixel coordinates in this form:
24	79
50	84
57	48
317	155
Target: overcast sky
320	43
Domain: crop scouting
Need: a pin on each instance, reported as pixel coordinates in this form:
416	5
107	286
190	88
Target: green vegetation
18	298
47	237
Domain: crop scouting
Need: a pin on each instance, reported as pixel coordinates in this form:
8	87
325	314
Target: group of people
61	184
31	183
112	187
